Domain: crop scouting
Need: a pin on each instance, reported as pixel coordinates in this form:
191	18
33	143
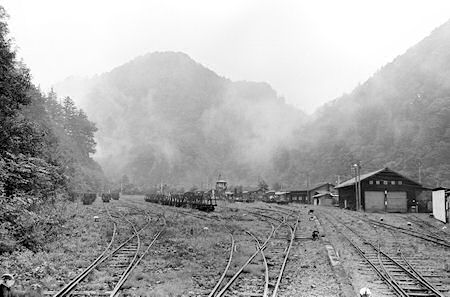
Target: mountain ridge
189	115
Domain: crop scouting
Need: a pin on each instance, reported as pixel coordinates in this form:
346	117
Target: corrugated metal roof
351	181
323	193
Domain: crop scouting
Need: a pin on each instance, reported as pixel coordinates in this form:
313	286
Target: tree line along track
118	262
393	269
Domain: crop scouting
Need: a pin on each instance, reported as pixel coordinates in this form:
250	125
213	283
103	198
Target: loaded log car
204	201
154	198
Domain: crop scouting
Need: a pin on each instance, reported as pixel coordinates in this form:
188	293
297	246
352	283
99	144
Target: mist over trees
44	152
165	118
399	118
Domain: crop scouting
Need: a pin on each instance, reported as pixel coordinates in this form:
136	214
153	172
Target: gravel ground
192	253
428	258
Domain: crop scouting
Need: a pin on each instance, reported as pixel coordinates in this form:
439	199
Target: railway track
391	266
427	237
428	227
274	254
106	275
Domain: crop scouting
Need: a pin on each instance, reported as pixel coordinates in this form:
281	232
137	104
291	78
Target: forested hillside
45	149
165	118
399	118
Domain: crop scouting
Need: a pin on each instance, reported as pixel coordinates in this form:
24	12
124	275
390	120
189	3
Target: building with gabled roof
385	190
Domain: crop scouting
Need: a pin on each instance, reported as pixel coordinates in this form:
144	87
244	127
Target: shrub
88	198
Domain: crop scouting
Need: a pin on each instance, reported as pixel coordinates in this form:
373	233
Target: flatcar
204	201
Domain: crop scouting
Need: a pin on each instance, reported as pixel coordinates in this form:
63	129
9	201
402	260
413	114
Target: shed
441	204
298	196
318	189
256	193
325	198
385	190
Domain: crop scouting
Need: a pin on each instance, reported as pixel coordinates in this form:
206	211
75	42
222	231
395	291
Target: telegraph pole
357	167
356	186
420	171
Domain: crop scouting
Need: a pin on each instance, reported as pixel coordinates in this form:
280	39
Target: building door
396	202
374	201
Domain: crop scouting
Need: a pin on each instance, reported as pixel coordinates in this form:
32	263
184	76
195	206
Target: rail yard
133	247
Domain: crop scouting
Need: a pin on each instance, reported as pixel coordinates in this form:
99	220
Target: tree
263	185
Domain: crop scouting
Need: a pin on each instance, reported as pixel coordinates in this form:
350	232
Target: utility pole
420	171
307	188
357	168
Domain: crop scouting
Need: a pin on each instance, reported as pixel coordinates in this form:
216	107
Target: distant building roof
296	191
324	193
351	181
253	189
318	185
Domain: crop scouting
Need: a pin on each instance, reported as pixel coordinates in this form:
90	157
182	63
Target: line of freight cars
204	201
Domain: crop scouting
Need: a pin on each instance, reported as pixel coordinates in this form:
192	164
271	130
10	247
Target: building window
370	182
400	182
392	182
377	182
385	182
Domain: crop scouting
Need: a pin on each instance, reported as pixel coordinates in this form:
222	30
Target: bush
88	198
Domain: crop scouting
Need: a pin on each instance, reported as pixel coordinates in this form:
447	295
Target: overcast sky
309	51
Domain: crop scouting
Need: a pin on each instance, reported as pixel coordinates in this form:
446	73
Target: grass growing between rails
79	241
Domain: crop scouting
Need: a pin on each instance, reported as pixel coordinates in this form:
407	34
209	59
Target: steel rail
135	264
283	267
216	287
415	275
73	283
250	259
429	285
426	237
266	266
394	284
126	273
364	256
435	231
